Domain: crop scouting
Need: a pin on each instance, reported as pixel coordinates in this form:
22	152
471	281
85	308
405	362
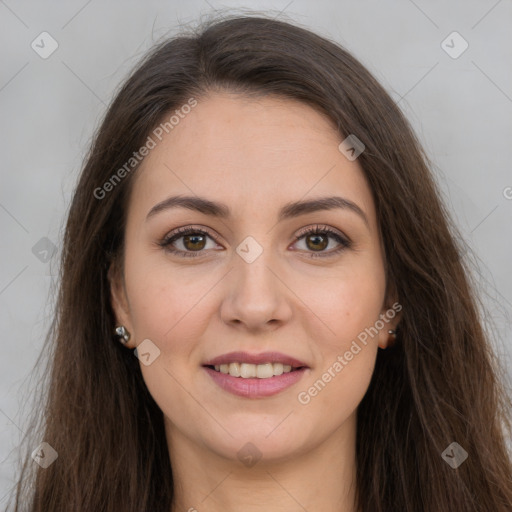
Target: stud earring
122	333
392	334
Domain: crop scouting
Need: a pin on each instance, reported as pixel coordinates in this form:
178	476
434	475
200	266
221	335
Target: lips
250	376
256	388
264	357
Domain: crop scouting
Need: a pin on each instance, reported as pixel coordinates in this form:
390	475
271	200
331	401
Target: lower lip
255	388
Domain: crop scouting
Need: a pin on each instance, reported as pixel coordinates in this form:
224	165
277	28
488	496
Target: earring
122	333
392	334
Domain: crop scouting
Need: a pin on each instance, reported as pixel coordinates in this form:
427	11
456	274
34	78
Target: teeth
233	369
248	371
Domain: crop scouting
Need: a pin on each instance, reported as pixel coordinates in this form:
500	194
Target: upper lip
264	357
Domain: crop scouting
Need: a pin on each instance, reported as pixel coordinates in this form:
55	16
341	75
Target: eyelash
166	243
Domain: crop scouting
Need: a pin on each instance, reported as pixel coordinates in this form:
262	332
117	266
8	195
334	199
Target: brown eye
188	241
319	242
194	242
317	239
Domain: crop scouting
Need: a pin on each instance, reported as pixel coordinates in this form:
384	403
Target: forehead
250	154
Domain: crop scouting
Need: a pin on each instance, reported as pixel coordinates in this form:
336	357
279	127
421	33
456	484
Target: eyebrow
288	211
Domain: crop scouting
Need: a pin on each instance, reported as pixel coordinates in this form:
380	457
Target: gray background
460	108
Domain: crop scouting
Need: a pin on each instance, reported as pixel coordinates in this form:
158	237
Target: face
253	280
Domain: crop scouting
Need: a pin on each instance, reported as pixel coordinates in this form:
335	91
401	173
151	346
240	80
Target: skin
254	155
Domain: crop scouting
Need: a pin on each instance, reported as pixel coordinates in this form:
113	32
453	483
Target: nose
256	296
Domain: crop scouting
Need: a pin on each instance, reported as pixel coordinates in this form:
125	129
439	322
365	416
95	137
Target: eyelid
190	229
321	228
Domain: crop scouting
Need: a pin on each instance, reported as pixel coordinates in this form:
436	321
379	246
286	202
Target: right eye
192	239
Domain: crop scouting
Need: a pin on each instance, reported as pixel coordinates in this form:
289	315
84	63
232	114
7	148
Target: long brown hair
440	383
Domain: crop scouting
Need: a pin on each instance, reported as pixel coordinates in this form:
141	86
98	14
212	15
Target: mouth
254	371
250	375
247	365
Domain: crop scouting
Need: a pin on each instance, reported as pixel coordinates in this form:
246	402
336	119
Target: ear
390	316
119	301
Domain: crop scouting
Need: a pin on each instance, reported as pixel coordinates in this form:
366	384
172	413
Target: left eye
317	239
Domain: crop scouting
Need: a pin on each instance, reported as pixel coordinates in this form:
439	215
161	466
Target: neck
317	477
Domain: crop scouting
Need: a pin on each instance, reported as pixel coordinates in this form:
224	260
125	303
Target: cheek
348	304
346	354
170	309
347	301
166	304
337	389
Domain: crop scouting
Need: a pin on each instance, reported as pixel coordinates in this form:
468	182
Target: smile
250	371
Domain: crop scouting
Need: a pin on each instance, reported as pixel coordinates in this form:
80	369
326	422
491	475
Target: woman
254	221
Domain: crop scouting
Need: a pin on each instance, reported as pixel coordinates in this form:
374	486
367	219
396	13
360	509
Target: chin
259	440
